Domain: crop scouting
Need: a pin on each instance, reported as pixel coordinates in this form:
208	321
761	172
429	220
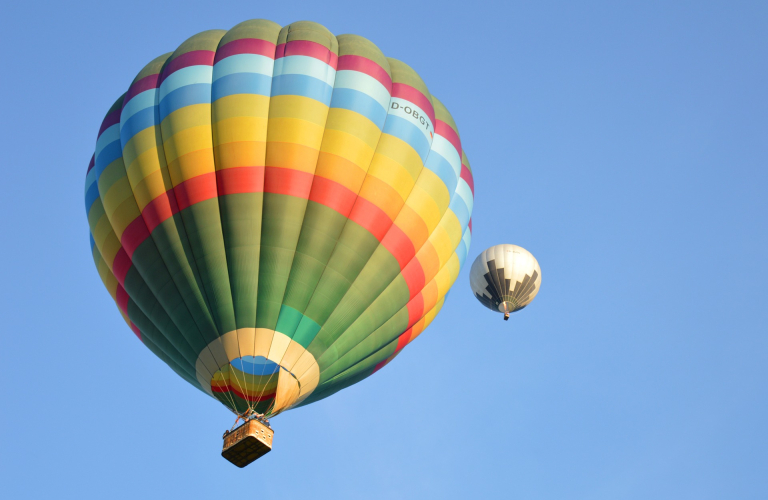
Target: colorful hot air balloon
278	211
505	278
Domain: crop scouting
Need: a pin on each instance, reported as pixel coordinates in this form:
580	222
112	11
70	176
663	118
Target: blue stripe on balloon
461	253
408	132
241	83
110	153
147	117
467	240
359	102
459	207
196	93
302	85
91	195
443	169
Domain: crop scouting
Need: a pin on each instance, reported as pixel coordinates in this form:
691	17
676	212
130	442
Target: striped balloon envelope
278	212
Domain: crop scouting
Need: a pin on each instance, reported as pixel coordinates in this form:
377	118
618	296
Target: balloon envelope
277	212
505	278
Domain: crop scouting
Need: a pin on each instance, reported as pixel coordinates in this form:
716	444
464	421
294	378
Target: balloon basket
247	443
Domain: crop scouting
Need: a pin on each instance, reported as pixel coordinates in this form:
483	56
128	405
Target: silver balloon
505	278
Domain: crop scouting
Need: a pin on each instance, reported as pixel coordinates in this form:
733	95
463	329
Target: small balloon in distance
505	278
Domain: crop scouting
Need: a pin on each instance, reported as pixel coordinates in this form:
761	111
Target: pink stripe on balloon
147	83
109	120
467	176
192	58
121	297
365	65
447	131
245	46
409	93
307	48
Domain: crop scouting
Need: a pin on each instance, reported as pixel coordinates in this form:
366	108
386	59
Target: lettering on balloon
411	112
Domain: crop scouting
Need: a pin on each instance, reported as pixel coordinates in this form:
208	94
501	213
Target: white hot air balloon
505	278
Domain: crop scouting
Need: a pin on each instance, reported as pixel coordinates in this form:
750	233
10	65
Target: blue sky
624	144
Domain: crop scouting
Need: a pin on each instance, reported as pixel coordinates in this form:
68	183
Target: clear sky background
625	144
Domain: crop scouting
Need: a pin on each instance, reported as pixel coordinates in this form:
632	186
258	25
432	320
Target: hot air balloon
505	278
277	213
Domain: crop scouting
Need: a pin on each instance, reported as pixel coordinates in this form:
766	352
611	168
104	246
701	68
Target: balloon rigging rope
257	399
232	370
228	394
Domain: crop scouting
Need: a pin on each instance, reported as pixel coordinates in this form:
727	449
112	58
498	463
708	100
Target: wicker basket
247	443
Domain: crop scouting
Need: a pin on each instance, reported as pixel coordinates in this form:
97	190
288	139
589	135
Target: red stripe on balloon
245	46
229	388
195	190
399	245
223	182
273	180
238	180
415	309
134	234
333	195
287	181
159	210
414	277
307	48
371	218
365	65
402	341
121	265
409	93
447	131
191	58
136	331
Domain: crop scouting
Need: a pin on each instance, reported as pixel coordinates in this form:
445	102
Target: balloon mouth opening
255	383
507	307
257	369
